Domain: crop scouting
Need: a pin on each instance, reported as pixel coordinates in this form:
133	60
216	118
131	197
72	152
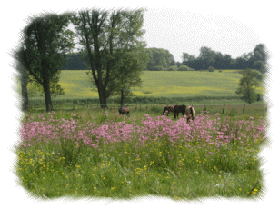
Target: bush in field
157	68
211	69
185	68
172	68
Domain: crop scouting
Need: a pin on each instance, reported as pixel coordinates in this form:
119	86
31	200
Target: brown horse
169	108
124	110
189	111
179	109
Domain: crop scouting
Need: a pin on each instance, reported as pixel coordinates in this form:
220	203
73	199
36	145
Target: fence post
243	108
224	109
204	108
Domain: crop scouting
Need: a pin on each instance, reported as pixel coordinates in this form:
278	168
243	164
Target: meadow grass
77	84
81	154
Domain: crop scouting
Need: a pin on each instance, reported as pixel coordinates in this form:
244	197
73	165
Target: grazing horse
124	110
189	111
179	109
169	108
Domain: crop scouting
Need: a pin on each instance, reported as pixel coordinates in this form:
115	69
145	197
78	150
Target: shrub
157	68
184	68
211	69
172	68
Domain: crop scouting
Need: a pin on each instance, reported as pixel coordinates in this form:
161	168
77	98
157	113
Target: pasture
99	153
157	84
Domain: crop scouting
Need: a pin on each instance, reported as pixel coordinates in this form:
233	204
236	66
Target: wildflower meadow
119	156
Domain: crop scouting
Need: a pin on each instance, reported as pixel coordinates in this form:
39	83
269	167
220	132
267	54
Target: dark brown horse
169	108
124	110
189	111
179	109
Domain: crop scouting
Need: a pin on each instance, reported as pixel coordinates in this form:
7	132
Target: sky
229	27
180	31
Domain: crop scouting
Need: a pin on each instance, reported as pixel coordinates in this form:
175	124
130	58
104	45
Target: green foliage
247	86
260	66
75	61
34	88
211	69
172	68
46	41
159	57
157	68
184	68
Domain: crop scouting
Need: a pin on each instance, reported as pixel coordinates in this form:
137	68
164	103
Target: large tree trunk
25	101
102	96
48	102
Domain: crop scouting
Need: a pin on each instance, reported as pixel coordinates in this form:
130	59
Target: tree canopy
107	38
46	42
247	85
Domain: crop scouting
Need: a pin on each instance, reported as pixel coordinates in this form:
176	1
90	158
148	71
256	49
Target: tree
107	38
46	41
75	61
159	57
247	86
260	66
23	77
260	57
130	68
206	57
260	53
189	60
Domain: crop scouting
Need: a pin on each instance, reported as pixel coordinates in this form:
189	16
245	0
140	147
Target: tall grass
116	156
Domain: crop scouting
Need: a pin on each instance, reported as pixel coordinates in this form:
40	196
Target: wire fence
211	108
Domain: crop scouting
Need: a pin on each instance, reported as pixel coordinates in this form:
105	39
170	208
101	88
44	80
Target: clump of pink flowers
205	129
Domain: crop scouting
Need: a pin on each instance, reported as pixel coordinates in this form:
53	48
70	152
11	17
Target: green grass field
161	87
169	84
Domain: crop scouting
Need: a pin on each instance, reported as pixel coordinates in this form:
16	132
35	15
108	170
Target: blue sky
231	28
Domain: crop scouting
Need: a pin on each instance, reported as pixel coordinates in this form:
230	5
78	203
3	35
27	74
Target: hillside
162	83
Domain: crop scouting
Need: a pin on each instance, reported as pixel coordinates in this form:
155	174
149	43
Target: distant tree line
75	61
208	57
162	60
